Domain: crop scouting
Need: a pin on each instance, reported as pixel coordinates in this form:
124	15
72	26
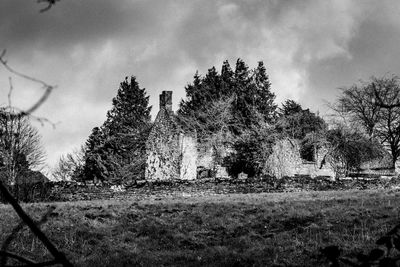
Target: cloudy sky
87	47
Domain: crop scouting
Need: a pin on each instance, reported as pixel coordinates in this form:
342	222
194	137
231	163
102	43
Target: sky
310	48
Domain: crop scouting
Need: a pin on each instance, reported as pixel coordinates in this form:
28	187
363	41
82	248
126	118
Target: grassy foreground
275	229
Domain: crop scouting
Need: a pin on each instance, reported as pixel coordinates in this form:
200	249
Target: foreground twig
50	3
6	254
47	87
18	228
59	257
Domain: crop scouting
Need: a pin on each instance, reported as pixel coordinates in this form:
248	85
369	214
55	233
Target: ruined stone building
171	150
286	160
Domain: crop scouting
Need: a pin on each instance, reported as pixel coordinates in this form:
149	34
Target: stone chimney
166	100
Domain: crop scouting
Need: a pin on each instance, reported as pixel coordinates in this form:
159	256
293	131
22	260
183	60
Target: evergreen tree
227	79
263	97
95	139
242	75
250	88
296	122
211	85
252	106
121	139
194	99
130	112
290	107
301	124
253	96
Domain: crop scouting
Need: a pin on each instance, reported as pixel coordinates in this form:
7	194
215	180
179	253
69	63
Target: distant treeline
236	108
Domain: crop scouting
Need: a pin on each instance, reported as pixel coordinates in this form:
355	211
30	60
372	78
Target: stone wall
383	162
313	169
188	150
171	152
320	167
205	158
285	160
158	190
163	148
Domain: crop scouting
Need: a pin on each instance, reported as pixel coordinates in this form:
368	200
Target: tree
358	101
349	148
290	107
251	90
251	149
120	141
246	102
253	95
70	166
212	125
387	98
296	122
227	79
376	106
20	145
130	112
264	99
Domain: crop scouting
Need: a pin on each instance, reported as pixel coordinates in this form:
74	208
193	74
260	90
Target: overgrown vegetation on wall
243	123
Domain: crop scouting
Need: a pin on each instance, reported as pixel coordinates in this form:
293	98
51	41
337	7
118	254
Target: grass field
275	229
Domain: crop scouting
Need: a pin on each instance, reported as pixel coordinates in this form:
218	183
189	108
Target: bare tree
70	165
387	98
20	145
358	101
212	125
376	106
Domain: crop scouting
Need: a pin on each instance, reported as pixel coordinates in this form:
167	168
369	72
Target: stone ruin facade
286	160
171	151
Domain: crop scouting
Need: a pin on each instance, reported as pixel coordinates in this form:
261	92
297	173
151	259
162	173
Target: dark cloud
70	23
370	52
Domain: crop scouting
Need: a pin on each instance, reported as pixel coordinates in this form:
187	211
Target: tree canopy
20	145
375	105
250	90
242	102
296	122
120	141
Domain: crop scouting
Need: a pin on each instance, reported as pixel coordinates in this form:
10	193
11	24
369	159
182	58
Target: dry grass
282	229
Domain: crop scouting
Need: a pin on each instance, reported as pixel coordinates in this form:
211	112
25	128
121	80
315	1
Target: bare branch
47	87
10	91
376	105
6	254
33	227
10	69
380	101
18	228
50	3
7	242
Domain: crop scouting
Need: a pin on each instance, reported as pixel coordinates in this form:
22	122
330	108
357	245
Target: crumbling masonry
170	150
